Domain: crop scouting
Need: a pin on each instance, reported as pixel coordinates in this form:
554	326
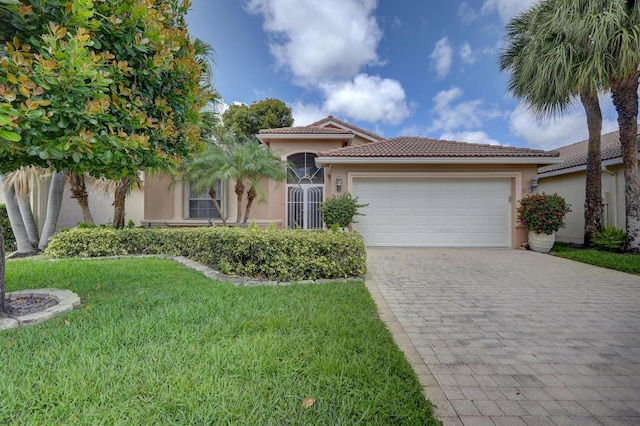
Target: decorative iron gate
303	206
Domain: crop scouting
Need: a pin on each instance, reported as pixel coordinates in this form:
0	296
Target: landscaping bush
340	210
609	238
282	255
7	232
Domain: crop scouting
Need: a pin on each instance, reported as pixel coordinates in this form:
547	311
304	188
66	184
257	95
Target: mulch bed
23	305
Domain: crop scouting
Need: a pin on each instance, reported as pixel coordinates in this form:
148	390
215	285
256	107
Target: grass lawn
619	261
156	343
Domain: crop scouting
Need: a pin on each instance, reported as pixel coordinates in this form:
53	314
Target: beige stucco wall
572	187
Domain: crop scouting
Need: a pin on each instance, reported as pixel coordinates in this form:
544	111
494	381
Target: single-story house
568	179
419	191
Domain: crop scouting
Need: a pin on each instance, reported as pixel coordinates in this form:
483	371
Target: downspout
613	204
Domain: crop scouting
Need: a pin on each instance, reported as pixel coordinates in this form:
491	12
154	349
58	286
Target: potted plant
543	215
340	210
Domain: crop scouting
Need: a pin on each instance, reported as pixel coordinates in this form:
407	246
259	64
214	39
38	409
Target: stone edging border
67	301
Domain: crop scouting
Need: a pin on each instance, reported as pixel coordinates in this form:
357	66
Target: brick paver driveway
511	337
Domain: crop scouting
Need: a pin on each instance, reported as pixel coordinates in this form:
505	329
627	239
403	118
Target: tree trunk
15	218
54	203
3	281
79	192
24	204
122	188
593	185
213	195
251	195
625	99
239	190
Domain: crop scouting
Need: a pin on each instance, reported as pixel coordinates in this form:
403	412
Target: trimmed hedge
7	232
274	254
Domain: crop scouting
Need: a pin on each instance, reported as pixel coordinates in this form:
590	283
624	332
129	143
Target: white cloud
442	57
467	13
477	136
449	116
367	98
553	133
320	41
467	54
506	8
305	114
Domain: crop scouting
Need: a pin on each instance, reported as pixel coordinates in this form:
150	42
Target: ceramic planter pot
541	243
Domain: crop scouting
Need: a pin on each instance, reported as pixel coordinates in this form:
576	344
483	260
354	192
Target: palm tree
79	192
15	217
609	30
262	163
544	65
22	180
54	203
203	173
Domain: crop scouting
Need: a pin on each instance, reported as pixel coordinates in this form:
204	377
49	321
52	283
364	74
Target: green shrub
609	238
341	209
7	232
275	254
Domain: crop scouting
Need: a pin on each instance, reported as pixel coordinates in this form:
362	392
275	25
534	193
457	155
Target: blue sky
393	67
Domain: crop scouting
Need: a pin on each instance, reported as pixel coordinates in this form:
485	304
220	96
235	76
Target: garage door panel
434	212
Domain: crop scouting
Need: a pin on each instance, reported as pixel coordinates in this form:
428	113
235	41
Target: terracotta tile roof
575	155
345	124
408	146
305	130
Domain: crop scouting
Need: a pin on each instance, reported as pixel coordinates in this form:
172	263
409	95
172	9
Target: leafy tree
543	63
245	121
105	87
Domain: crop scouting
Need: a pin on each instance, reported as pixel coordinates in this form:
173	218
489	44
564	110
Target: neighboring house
568	179
421	192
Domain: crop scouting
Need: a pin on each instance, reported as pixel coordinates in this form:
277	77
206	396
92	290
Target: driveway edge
430	388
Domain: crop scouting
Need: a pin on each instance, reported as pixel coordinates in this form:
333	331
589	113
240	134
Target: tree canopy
246	120
107	87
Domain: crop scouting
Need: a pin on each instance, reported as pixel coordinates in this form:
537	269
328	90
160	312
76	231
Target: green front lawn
618	261
156	343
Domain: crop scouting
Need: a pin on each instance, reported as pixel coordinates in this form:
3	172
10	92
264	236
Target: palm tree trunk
24	204
625	99
239	190
122	188
251	195
213	195
54	203
3	281
79	192
15	218
593	186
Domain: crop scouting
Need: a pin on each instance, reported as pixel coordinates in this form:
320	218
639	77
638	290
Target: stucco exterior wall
571	186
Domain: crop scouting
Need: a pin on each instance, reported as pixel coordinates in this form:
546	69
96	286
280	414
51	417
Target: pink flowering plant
542	213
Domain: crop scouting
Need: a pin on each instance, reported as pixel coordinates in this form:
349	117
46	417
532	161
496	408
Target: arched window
302	169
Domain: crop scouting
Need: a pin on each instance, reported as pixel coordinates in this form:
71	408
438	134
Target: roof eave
271	136
322	161
581	168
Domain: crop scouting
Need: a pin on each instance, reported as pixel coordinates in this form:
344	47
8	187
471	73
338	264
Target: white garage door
434	212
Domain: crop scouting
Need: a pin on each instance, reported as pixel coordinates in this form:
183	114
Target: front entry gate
303	205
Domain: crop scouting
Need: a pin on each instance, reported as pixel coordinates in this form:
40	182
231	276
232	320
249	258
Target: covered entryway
305	192
434	211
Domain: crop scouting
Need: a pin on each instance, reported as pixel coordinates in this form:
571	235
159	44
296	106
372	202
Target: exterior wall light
339	184
534	184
